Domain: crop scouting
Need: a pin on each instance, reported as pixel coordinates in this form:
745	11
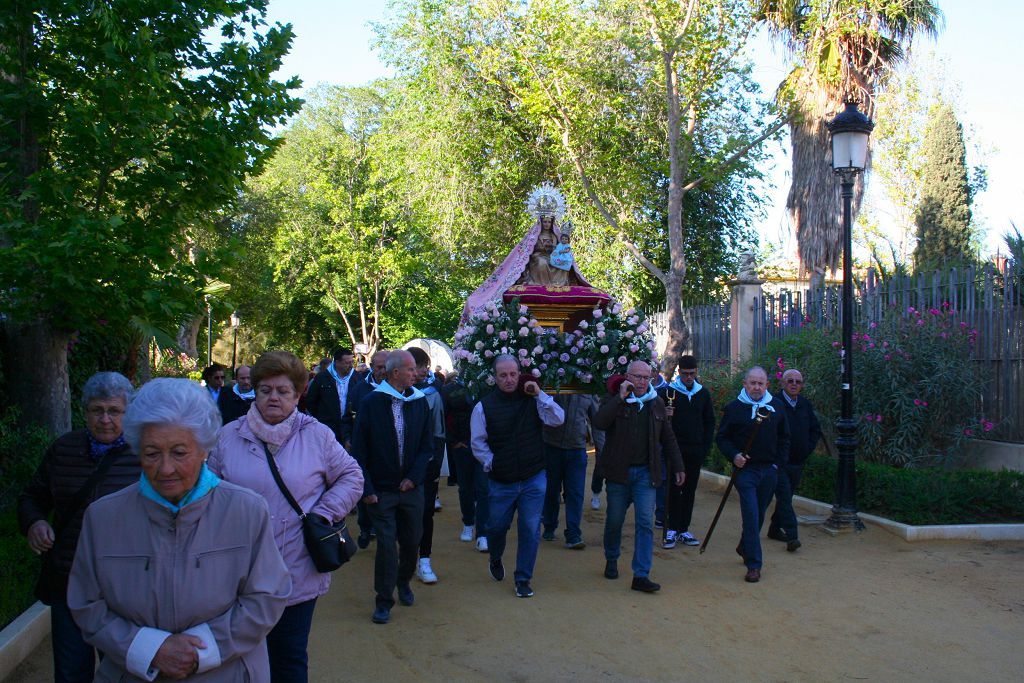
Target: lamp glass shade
849	150
235	319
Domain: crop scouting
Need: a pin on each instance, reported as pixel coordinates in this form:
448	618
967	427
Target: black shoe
548	535
778	535
645	585
405	596
739	551
364	539
611	571
497	570
752	576
791	546
381	615
523	589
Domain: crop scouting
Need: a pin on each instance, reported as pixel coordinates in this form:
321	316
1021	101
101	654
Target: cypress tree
943	215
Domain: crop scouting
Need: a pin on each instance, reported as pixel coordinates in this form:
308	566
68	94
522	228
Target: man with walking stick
758	448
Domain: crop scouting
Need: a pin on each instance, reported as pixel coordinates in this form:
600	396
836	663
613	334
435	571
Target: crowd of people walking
172	525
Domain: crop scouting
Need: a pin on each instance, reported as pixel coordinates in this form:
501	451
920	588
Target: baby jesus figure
561	255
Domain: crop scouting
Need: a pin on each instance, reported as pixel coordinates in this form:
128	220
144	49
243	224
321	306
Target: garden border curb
22	636
909	533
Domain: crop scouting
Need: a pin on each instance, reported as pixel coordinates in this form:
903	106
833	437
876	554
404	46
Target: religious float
537	306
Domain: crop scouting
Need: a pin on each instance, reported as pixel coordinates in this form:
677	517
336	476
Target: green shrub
21	451
19	568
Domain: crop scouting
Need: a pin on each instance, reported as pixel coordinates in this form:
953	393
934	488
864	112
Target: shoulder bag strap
81	497
280	484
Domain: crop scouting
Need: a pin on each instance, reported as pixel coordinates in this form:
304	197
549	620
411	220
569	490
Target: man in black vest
393	441
756	469
506	428
327	396
804	434
638	435
234	402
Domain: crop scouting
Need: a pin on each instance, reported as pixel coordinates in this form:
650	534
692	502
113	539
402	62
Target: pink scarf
272	435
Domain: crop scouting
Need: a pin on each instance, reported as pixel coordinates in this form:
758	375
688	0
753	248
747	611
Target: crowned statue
541	270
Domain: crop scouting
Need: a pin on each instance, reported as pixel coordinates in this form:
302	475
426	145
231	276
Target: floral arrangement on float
580	360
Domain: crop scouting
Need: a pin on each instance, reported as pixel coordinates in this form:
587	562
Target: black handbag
329	545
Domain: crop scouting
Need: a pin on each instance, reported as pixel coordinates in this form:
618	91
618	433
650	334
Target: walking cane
759	416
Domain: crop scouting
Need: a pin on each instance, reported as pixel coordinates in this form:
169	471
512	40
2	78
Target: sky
333	44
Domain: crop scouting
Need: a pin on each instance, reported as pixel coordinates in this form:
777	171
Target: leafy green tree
123	128
639	110
844	49
943	214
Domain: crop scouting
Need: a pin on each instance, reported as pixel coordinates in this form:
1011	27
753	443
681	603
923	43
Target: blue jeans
641	494
528	497
74	660
287	643
473	487
755	485
566	467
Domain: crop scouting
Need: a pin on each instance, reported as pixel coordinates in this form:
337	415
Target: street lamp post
209	331
236	320
850	131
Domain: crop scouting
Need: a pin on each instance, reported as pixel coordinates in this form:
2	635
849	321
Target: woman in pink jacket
321	476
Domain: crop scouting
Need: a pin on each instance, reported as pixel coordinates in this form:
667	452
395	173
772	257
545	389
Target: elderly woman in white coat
322	477
178	576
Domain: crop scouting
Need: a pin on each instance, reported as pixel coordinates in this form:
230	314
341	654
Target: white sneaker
467	533
686	538
425	572
481	544
595	501
437	503
670	540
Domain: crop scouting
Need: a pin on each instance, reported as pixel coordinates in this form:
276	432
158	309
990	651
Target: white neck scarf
247	396
678	385
386	388
744	397
641	400
334	373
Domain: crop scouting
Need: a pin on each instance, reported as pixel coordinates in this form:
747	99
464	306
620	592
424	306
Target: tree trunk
188	334
35	373
678	332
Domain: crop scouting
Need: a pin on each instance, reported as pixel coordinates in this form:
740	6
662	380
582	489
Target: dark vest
514	435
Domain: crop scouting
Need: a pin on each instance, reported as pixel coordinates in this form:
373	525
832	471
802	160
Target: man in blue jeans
507	440
566	449
638	433
758	464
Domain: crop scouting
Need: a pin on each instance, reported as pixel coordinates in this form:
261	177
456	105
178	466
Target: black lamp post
209	331
236	320
850	131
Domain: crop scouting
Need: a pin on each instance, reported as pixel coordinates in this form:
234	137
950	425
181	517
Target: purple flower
584	325
622	360
610	364
600	334
523	309
561	372
543	366
479	345
604	348
503	335
564	358
488	354
574	350
633	348
490	329
523	331
535	372
629	334
598	313
523	353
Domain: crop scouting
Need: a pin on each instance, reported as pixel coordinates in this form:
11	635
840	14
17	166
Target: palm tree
845	49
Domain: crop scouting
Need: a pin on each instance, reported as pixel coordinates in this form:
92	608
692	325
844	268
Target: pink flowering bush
917	393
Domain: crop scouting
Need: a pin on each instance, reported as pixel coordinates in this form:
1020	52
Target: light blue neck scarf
386	388
207	482
248	396
678	385
744	397
334	373
641	400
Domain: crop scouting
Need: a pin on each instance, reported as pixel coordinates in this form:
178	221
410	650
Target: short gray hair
178	402
107	385
752	370
396	359
501	357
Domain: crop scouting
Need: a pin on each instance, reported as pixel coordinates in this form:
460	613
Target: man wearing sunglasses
804	433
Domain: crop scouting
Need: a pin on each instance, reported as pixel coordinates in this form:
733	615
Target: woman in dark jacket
79	467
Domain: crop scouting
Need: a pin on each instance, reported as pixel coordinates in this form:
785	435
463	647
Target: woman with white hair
78	468
178	576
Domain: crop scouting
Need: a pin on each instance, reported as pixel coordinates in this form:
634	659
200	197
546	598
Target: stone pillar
745	288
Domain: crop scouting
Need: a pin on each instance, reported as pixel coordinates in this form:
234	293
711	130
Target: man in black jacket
507	440
233	403
358	388
688	405
804	434
393	442
472	480
327	396
756	468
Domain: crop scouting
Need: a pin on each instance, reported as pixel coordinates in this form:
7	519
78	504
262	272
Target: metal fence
988	299
709	326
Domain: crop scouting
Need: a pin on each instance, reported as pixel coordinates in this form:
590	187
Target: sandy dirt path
866	607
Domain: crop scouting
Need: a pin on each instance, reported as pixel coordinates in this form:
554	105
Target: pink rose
523	309
584	325
629	334
522	353
522	320
490	329
598	313
479	345
633	348
622	360
488	354
523	331
535	372
503	335
604	348
600	334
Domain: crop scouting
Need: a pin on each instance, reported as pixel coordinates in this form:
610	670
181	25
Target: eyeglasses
638	377
688	373
794	381
98	413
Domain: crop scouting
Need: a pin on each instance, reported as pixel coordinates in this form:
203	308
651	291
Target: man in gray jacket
565	450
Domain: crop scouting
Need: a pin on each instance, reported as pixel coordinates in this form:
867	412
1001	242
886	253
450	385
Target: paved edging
931	532
22	636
